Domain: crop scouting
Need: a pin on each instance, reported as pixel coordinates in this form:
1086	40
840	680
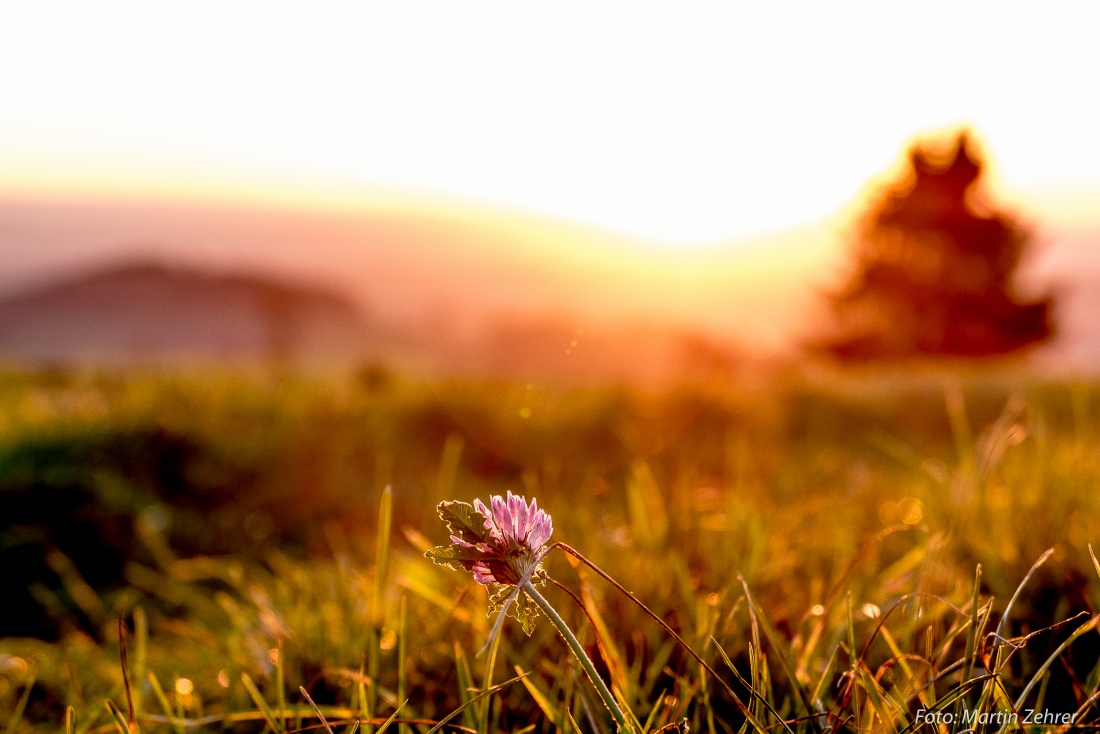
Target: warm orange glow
688	128
464	173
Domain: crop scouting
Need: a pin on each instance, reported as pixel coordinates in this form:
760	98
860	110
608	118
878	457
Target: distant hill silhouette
144	313
450	294
148	312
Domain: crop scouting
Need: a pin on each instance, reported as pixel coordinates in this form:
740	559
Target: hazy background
573	191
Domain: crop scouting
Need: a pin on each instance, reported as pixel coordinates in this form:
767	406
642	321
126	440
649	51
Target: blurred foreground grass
232	519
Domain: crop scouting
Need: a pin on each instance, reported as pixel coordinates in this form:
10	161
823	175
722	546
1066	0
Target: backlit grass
816	541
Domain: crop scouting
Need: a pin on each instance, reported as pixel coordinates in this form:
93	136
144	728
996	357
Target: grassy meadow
842	551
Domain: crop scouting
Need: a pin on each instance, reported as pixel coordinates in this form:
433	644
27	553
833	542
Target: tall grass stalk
382	556
582	657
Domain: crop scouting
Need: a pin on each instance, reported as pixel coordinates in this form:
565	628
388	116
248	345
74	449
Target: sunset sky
685	125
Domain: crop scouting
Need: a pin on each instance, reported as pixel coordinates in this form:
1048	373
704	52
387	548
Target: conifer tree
933	271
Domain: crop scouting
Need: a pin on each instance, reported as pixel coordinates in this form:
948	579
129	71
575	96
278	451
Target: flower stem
575	646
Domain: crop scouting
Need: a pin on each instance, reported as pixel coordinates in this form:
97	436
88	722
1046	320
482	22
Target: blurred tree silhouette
933	269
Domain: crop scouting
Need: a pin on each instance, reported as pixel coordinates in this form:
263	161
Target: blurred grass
239	522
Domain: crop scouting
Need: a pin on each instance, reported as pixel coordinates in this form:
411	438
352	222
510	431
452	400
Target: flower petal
524	520
502	516
517	508
480	507
482	573
543	528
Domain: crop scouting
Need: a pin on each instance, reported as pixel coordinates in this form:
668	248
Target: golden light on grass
828	575
870	611
575	163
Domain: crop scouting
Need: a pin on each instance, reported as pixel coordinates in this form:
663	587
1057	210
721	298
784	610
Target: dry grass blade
1085	706
616	664
943	673
132	719
320	716
600	644
973	632
1086	627
638	602
488	692
245	716
1012	602
948	700
117	718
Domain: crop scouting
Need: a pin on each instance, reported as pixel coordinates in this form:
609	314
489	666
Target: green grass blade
654	712
543	700
386	724
377	612
784	660
275	724
361	691
826	672
755	695
117	717
17	714
880	702
280	684
141	652
490	666
973	632
402	646
960	426
162	700
448	466
465	683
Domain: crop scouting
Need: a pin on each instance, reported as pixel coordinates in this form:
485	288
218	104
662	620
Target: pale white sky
680	122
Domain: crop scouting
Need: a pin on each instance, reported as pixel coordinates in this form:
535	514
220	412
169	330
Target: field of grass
840	552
